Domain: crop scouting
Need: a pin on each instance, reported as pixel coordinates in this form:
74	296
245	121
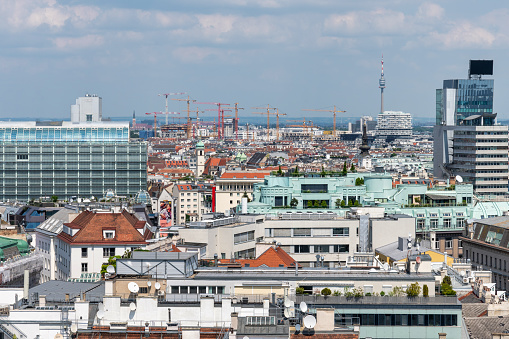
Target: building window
89	117
84	252
109	234
108	252
321	248
448	244
433	223
302	232
84	267
341	232
460	223
447	223
22	156
301	249
421	224
341	248
143	290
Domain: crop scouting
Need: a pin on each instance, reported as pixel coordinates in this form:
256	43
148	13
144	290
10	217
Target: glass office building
468	141
69	159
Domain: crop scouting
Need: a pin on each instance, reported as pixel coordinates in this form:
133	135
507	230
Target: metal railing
374	300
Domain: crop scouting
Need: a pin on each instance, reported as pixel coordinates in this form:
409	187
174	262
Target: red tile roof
272	257
244	175
91	226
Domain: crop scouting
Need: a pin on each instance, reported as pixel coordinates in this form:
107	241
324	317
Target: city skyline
292	55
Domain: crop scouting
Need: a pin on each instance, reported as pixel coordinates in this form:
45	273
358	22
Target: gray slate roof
54	224
55	290
483	327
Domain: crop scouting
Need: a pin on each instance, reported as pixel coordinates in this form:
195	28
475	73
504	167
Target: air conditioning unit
466	280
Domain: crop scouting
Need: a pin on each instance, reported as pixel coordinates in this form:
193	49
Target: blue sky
292	54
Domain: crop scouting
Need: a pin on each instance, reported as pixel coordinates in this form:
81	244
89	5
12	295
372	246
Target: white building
302	236
47	241
92	238
87	109
394	124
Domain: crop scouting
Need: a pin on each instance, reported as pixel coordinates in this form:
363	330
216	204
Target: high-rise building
87	109
468	141
393	125
69	159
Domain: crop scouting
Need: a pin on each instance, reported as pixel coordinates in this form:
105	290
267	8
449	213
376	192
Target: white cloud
461	36
87	41
430	10
379	21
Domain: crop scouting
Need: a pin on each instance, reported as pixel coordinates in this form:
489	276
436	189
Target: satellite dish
157	285
149	283
110	269
459	178
286	312
132	306
100	314
74	328
303	306
100	307
288	302
309	321
462	273
297	327
133	287
386	267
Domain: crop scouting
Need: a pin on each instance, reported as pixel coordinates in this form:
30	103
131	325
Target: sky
291	54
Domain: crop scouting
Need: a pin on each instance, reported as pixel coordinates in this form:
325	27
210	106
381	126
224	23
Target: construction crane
268	108
197	123
277	114
155	121
220	122
188	100
219	104
304	126
237	120
334	111
166	96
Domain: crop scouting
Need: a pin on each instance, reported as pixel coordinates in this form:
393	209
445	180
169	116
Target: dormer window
108	234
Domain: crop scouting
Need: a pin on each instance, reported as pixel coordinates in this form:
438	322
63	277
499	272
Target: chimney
67	297
235	320
42	300
442	335
26	284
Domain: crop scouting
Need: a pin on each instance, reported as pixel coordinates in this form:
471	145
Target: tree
324	204
294	202
446	286
356	203
343	203
316	204
345	169
337	203
359	181
323	173
54	198
310	203
413	290
326	291
352	169
279	171
296	172
425	291
299	290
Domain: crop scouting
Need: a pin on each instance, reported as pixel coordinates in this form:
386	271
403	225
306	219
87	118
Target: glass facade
75	160
64	134
473	96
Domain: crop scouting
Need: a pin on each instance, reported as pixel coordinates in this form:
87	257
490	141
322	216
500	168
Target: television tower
381	83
